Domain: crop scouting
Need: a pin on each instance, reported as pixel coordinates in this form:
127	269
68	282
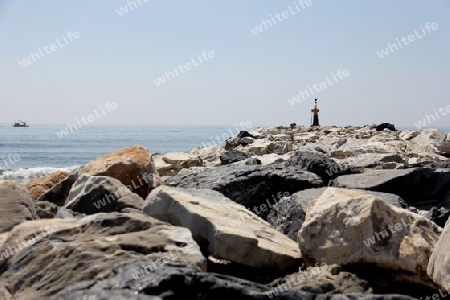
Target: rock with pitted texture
58	193
132	166
288	215
94	194
348	227
67	252
45	209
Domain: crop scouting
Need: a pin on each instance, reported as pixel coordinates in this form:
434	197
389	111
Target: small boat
21	124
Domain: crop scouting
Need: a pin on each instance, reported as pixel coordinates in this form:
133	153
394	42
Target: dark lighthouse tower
315	115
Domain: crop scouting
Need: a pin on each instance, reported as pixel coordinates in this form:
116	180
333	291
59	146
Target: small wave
24	175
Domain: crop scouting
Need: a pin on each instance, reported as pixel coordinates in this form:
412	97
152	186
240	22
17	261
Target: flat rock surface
414	185
248	240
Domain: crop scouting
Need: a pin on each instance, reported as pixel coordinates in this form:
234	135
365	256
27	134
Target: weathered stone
322	280
45	209
232	156
179	161
209	155
131	166
39	186
288	215
318	164
439	264
15	205
94	194
268	159
348	227
163	168
185	282
426	141
74	251
414	185
226	229
370	160
58	193
249	185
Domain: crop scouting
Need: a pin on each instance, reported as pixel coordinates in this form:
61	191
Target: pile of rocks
278	213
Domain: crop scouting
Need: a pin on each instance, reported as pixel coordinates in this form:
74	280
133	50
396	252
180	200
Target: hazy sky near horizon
250	78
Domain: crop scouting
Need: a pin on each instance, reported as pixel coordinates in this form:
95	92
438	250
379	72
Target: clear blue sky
251	77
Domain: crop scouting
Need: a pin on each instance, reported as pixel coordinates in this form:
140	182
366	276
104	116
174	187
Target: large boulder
439	264
251	186
132	166
39	186
349	227
49	255
414	185
288	215
94	194
15	205
226	229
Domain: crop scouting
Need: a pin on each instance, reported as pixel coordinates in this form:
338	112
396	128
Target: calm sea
27	153
37	150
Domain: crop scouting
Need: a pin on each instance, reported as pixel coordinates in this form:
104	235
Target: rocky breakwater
276	213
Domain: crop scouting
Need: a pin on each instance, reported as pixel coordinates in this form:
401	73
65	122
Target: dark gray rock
76	251
441	164
417	186
318	164
58	194
178	281
288	215
438	215
94	194
229	157
249	185
243	134
383	126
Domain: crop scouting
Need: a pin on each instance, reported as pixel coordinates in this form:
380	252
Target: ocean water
27	153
